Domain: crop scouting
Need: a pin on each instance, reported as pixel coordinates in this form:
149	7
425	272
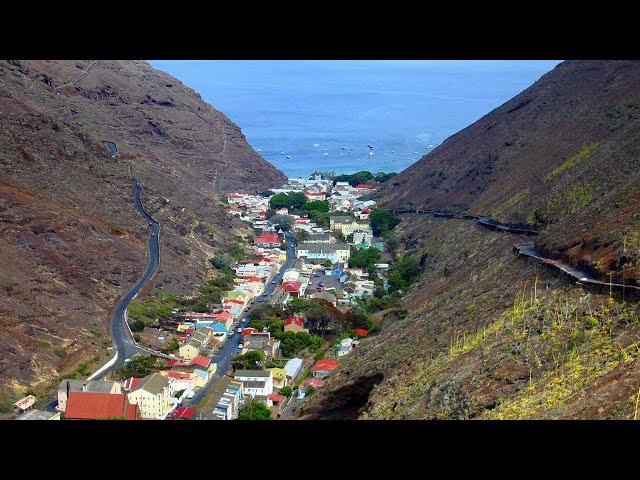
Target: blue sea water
324	115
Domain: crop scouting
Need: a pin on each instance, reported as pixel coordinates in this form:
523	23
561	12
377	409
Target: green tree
317	205
286	391
252	360
365	258
302	235
406	271
253	409
279	201
219	262
284	222
382	177
382	222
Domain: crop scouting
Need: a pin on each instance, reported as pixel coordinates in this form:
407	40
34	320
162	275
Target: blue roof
218	327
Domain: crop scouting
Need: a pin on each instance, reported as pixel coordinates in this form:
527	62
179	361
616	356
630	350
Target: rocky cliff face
71	238
493	335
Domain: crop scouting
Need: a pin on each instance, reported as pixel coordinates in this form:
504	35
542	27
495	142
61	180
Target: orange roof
326	364
99	406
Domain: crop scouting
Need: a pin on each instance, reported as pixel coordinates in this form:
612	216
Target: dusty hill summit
71	240
490	334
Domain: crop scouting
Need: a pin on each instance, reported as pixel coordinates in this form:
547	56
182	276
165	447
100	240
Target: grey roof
342	219
254	384
252	373
99	386
95	386
324	247
153	383
37	415
74	385
319	237
257	341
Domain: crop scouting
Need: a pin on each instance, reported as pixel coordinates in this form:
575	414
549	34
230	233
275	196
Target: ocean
346	116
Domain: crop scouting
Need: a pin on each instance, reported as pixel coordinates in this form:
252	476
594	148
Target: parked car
231	333
240	330
240	346
262	300
273	282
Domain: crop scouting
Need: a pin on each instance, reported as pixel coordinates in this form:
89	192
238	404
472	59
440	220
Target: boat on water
281	153
325	154
370	153
288	156
316	144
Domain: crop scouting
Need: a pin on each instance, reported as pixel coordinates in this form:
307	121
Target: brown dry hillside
493	335
71	240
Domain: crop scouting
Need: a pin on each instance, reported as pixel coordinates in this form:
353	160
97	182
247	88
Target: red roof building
361	332
292	288
275	397
365	186
248	331
268	238
100	406
183	413
131	383
324	367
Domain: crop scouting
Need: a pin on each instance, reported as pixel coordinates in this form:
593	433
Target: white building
255	383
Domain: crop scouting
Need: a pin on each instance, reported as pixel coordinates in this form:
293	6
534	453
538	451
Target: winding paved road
482	220
123	340
581	276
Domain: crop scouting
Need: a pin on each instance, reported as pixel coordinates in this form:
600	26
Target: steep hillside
71	240
493	335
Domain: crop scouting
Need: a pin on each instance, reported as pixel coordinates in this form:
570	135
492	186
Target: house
39	415
324	367
293	368
334	252
320	238
291	275
179	380
92	386
255	383
294	324
131	383
183	413
262	341
363	214
248	331
25	403
363	236
344	347
311	382
223	401
346	224
152	396
190	350
279	377
268	239
100	406
294	289
276	398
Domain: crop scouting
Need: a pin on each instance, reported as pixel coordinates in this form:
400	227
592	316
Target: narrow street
230	346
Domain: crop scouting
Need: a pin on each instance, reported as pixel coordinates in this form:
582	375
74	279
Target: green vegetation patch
571	162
